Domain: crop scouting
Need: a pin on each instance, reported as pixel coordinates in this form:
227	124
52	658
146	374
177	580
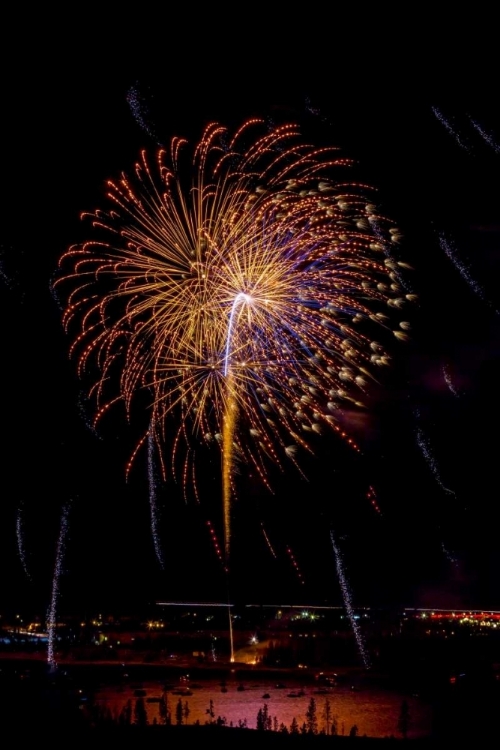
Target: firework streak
52	613
346	594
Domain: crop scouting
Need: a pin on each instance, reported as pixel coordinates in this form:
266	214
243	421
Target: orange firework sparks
248	281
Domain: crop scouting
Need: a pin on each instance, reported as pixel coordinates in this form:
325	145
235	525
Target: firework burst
246	290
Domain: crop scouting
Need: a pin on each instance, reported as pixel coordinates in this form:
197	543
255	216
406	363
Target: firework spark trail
448	247
268	541
230	421
451	130
452	559
83	410
52	613
371	495
139	110
4	275
346	594
243	295
449	381
485	136
295	564
153	501
217	547
228	434
5	278
20	536
10	273
425	447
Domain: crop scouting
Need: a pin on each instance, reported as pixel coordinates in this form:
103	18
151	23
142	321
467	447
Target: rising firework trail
153	501
347	596
21	541
245	291
52	613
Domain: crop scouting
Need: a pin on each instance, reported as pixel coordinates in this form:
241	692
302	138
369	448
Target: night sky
423	124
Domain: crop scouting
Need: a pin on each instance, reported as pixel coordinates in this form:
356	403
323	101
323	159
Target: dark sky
422	121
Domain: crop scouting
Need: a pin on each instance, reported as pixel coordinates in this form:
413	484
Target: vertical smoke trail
153	504
21	547
52	613
346	594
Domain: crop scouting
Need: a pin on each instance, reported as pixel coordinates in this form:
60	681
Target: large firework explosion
249	293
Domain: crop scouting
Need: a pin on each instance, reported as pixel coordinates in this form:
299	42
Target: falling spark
139	110
485	136
425	447
449	381
52	613
153	501
451	130
449	248
295	565
83	410
371	495
216	545
268	542
346	594
453	559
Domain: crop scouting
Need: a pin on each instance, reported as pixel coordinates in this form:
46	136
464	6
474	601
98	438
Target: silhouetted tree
179	713
353	731
164	709
125	717
264	721
210	711
140	715
311	718
327	716
294	726
404	719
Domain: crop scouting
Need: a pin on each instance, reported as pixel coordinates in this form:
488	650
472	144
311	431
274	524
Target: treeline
316	722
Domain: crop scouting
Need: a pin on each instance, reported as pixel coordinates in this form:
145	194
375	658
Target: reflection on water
374	711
